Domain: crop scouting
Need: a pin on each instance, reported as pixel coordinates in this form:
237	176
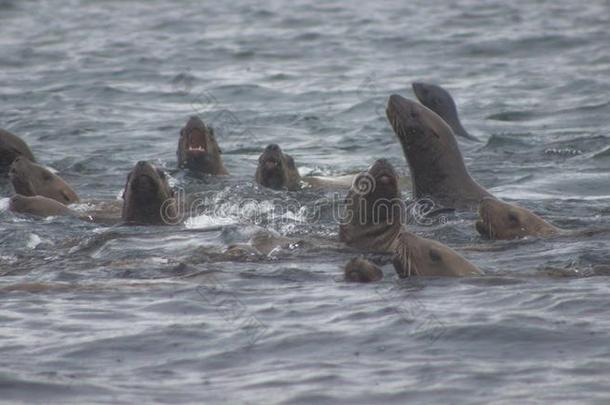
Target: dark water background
149	314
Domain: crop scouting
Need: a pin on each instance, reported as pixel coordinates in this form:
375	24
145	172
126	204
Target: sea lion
440	101
11	147
198	150
277	170
147	198
501	220
374	211
30	179
362	271
435	162
374	221
417	256
39	206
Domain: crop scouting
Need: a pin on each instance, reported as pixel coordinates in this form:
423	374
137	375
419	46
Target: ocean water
97	314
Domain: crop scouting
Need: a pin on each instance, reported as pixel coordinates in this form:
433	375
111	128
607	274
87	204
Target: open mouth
197	142
386	178
271	164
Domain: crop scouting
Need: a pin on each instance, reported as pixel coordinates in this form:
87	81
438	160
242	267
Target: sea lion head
417	256
440	101
385	181
11	147
38	206
435	98
198	149
424	136
147	197
435	162
30	179
277	170
362	271
374	211
500	220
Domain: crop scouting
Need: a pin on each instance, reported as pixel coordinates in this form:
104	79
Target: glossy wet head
276	169
198	149
11	147
362	271
30	179
417	127
434	97
383	180
417	256
147	195
501	220
38	206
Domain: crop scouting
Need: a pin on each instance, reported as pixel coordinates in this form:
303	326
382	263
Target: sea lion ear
513	218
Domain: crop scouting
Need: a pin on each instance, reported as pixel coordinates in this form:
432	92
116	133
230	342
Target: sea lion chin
147	198
31	179
435	162
501	220
198	149
277	170
440	101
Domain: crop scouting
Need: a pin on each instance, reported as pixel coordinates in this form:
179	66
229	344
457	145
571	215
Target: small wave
511	116
204	221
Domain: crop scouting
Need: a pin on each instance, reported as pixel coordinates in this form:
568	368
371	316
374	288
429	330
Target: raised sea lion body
148	198
12	147
198	149
31	179
501	220
440	101
435	162
374	221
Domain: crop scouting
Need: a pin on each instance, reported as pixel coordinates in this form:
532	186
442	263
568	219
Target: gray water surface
95	314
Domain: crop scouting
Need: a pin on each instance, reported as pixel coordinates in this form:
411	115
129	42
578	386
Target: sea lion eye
161	174
46	177
435	256
512	218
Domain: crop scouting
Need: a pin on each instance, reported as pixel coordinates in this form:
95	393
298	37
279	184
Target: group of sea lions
376	214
